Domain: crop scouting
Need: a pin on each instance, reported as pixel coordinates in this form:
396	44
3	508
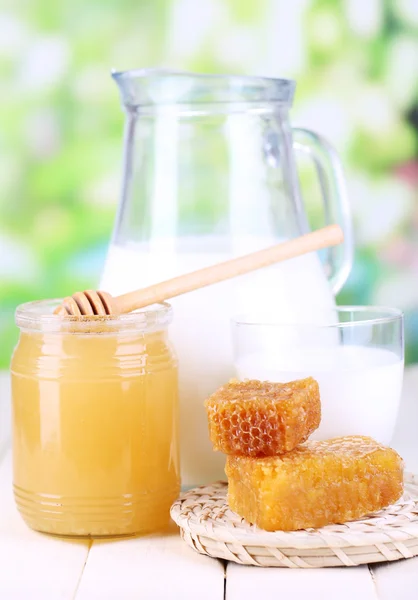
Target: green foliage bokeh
61	125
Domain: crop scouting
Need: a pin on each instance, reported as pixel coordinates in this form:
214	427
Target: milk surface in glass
201	328
360	386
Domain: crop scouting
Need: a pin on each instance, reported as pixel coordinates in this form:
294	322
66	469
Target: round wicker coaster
210	527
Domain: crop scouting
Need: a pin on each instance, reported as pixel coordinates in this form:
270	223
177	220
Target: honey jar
95	421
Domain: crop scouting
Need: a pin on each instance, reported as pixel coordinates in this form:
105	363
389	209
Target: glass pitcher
209	174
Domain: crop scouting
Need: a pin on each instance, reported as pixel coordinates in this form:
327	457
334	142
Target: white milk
360	386
201	329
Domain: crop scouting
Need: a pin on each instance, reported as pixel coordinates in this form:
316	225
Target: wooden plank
33	565
342	583
153	567
397	580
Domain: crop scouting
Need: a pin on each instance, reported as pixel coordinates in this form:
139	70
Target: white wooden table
161	567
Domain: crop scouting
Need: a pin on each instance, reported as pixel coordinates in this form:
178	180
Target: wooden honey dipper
91	303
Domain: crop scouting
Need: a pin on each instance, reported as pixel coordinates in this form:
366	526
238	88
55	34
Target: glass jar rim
38	316
381	315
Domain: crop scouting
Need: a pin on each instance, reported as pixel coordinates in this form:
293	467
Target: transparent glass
355	353
95	422
209	173
209	160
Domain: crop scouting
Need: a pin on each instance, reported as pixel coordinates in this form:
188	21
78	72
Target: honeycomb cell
316	484
260	418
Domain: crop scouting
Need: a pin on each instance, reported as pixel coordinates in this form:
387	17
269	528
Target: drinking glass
356	353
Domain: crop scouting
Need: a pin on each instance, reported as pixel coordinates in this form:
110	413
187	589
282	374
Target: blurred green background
356	63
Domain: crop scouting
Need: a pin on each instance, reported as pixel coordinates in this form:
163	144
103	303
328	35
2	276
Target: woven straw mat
210	527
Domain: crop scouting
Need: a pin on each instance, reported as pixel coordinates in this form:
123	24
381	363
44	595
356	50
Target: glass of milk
356	353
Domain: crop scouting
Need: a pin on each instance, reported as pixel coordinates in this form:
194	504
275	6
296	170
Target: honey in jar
95	421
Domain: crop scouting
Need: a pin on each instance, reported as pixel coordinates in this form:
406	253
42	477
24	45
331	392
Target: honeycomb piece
259	418
316	484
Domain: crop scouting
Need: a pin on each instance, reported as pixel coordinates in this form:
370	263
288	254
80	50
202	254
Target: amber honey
95	422
318	483
261	418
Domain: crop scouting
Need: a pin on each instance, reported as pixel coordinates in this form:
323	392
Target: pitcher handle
334	194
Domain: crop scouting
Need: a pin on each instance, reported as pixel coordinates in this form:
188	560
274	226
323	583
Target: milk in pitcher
201	328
